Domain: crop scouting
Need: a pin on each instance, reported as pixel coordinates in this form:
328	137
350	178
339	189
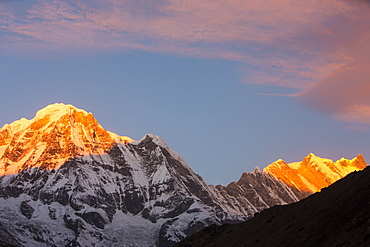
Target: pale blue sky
202	90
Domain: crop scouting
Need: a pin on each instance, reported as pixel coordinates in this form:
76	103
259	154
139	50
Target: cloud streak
345	92
320	48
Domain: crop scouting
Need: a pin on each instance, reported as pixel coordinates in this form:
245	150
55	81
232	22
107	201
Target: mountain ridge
336	216
63	172
313	173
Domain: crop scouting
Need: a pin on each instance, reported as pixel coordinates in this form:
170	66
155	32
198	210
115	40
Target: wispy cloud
345	91
320	48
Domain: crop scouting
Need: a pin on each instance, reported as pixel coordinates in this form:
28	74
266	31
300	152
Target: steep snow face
256	191
57	132
144	184
64	169
313	173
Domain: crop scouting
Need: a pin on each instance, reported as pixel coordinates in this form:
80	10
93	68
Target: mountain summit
57	132
68	182
314	173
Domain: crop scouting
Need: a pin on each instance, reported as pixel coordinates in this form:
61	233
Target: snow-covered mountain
65	181
57	132
256	191
336	216
68	181
313	173
280	183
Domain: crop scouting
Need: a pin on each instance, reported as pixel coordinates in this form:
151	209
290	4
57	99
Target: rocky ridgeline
68	182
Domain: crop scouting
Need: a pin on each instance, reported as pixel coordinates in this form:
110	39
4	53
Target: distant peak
279	161
312	156
58	109
59	114
59	106
359	157
314	173
315	159
156	139
278	164
256	170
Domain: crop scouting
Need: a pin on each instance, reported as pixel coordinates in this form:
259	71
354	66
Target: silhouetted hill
337	216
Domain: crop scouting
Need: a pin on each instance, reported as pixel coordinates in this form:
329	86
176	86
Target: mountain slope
280	183
142	181
256	191
337	216
66	181
58	132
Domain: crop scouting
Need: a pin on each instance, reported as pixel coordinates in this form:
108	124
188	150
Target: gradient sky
230	85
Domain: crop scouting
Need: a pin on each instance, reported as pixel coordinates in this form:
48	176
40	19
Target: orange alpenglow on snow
57	133
314	173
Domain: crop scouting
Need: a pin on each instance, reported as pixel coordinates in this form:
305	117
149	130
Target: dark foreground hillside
337	216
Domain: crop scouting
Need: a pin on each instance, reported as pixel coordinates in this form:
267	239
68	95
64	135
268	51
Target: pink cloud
320	48
355	113
233	22
345	91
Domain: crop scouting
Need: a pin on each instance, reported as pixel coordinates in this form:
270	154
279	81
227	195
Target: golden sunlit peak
313	173
58	114
53	113
58	109
311	155
280	161
57	133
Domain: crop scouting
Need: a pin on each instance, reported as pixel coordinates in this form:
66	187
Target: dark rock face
6	238
336	216
181	208
163	239
256	191
93	218
26	210
75	224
